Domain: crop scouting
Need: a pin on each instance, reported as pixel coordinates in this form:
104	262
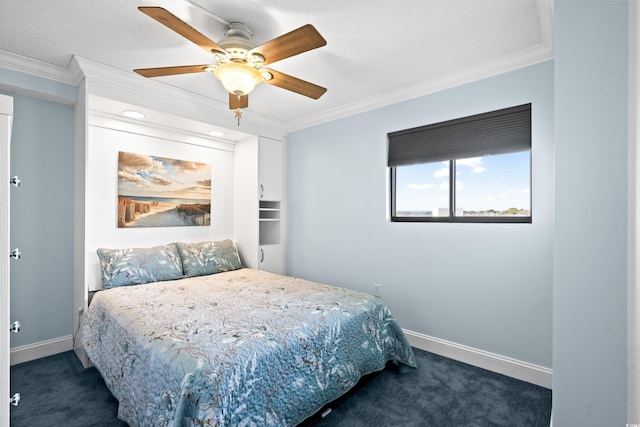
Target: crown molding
36	68
482	70
30	77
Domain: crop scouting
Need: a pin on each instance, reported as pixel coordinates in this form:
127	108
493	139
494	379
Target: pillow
203	258
135	266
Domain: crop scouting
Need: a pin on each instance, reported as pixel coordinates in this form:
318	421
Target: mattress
240	348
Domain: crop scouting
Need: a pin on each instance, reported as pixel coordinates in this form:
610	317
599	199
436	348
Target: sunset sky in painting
144	175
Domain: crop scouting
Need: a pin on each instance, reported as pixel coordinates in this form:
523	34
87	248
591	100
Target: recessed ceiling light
216	133
133	114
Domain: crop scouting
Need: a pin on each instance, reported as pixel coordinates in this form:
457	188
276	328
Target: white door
6	114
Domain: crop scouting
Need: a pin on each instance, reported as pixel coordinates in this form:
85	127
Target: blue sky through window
498	182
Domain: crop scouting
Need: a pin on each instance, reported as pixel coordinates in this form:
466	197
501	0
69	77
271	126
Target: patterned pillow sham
135	266
203	258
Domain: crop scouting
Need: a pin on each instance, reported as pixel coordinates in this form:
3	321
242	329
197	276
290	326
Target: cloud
186	167
138	162
133	162
206	183
124	176
158	180
441	173
420	186
145	175
195	191
445	185
473	163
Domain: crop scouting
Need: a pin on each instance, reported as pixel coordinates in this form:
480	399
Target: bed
237	347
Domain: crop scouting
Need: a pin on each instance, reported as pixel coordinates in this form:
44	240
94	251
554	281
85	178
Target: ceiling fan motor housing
237	44
237	39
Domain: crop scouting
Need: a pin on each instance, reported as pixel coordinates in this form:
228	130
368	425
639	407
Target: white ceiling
378	51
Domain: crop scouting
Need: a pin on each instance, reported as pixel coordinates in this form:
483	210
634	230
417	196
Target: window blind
496	132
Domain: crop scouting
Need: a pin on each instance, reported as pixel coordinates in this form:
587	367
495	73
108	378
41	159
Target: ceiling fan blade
170	71
294	84
174	23
235	103
297	41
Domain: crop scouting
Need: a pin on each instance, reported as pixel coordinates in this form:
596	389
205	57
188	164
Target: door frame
6	115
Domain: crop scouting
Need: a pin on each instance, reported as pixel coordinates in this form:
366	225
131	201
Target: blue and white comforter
241	348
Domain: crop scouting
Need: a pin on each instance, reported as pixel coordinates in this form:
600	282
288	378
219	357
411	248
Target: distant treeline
128	210
195	214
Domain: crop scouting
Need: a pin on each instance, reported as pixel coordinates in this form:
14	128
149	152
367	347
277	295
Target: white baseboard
514	368
40	349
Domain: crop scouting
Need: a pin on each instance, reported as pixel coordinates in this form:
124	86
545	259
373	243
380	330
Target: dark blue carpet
443	392
57	391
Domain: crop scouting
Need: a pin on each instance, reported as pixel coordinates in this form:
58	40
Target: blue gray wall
41	219
488	286
590	234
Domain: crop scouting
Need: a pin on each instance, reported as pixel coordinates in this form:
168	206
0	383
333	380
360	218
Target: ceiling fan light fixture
237	78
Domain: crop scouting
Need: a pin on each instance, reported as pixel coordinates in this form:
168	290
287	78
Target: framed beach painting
161	192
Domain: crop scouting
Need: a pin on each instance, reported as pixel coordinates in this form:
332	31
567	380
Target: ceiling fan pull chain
238	112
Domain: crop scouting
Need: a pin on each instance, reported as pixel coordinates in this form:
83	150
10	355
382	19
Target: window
473	169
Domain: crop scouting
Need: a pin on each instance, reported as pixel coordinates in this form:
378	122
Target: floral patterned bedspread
240	348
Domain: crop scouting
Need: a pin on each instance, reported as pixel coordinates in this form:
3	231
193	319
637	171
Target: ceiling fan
240	65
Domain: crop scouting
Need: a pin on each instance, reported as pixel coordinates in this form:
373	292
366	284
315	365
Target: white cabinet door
270	257
270	165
